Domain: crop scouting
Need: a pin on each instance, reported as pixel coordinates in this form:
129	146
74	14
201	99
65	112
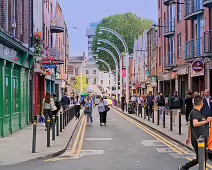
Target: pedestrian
161	105
123	100
102	112
77	107
88	110
189	105
140	101
150	103
196	129
175	105
167	103
134	100
48	108
65	102
57	104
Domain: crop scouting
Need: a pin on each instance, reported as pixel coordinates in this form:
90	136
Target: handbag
87	110
107	108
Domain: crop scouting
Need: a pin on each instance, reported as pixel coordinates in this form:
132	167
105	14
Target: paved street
122	144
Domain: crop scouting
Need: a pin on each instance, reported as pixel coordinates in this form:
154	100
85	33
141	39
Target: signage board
197	68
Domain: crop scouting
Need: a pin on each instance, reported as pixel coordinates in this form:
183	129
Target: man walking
123	98
150	103
195	130
175	105
65	101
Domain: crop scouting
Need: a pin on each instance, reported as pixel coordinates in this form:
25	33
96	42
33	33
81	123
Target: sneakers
180	168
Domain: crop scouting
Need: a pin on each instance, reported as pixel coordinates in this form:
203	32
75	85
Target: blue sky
80	13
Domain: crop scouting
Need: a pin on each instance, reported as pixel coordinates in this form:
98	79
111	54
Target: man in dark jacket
175	105
65	101
150	103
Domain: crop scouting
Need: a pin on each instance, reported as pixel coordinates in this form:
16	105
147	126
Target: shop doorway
198	84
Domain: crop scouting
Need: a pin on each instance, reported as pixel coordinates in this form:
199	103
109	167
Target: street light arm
117	35
104	63
113	45
108	51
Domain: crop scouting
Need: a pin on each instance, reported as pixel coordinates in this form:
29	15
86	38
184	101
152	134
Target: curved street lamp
116	62
127	60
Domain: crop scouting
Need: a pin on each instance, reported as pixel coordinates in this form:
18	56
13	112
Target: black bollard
180	123
171	123
201	153
153	115
164	118
148	113
158	118
57	125
53	128
141	110
61	121
67	112
145	112
48	133
34	136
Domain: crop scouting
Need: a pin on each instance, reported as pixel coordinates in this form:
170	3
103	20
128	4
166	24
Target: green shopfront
15	63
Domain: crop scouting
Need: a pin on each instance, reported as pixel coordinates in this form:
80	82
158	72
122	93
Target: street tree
128	25
84	83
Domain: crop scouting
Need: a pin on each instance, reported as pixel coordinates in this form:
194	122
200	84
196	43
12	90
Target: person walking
57	104
77	107
195	130
123	100
65	101
102	112
161	105
189	105
150	103
88	110
47	108
175	105
140	101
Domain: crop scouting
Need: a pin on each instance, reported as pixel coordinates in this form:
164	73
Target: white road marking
152	143
98	139
164	150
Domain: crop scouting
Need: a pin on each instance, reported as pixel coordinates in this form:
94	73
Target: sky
80	13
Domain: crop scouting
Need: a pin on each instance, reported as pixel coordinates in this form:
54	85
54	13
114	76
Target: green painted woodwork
24	58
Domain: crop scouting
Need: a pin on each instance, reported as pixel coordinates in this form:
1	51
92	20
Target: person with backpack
57	104
161	105
175	106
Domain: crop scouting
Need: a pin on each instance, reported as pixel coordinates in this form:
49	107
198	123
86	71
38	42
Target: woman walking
161	105
77	107
88	110
189	105
102	112
47	108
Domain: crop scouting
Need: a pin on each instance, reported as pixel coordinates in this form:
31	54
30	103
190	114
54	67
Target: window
89	48
90	42
87	80
6	97
87	72
179	45
101	81
15	95
159	27
94	81
94	71
101	75
109	82
179	11
160	56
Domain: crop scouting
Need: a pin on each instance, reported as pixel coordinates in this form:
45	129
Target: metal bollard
180	123
201	153
153	115
67	112
61	121
57	125
141	111
145	112
53	128
164	119
171	121
48	133
148	113
34	136
158	117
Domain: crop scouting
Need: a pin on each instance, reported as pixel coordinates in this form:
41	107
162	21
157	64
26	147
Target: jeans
161	111
89	118
150	110
48	114
122	107
175	112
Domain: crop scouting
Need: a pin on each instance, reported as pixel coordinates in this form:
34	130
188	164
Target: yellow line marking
168	142
55	159
82	138
77	138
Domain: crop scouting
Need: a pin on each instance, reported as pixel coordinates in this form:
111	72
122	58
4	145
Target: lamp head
97	50
98	43
100	32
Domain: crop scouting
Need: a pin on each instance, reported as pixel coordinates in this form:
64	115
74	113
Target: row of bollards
57	124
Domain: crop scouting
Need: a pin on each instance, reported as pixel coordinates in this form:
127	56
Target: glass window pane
6	83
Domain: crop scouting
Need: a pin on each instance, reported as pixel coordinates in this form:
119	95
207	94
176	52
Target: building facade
106	79
16	60
91	71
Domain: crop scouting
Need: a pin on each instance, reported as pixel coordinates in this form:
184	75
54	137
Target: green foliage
84	83
128	25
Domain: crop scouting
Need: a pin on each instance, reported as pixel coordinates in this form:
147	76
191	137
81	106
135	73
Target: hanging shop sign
123	73
154	81
197	68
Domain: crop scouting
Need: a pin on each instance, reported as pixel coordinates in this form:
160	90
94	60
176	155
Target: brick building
184	46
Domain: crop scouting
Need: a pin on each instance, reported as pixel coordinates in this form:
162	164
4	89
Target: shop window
15	95
6	96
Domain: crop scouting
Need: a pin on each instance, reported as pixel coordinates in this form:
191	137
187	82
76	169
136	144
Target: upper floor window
87	72
179	45
179	11
94	71
94	80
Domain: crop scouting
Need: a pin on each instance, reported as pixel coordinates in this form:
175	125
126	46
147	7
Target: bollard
65	118
53	128
145	112
201	153
67	113
48	133
164	119
148	113
158	117
180	124
57	125
171	123
34	136
153	115
141	110
61	121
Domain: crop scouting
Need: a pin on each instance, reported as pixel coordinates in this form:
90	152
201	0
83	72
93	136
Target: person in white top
77	107
140	102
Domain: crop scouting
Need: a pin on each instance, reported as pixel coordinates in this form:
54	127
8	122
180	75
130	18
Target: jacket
176	102
206	111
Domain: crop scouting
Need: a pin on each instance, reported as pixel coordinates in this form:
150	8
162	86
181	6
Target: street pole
81	74
120	67
127	79
117	79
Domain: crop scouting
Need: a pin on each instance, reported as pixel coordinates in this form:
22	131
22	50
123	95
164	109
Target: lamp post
116	62
127	55
120	61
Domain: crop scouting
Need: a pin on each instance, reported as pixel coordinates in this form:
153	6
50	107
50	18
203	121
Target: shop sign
70	69
197	68
182	71
154	81
123	73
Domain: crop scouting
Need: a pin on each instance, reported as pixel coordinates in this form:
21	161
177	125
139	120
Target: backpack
161	101
58	104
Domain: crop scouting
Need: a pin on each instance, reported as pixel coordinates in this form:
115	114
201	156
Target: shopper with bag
102	112
48	108
88	110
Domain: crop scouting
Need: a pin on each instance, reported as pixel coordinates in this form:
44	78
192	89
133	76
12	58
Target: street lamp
97	50
127	55
116	62
174	2
98	43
